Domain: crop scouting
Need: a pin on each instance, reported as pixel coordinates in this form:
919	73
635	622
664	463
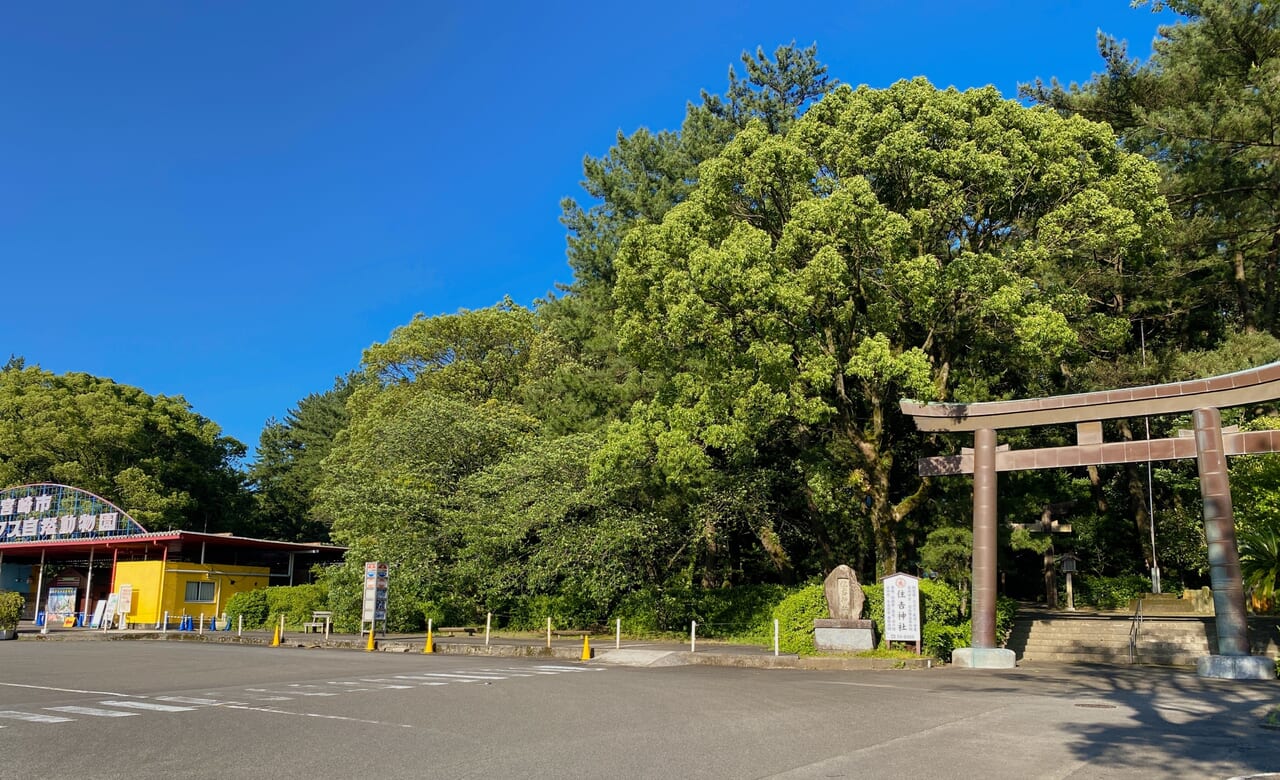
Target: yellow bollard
369	647
586	650
275	640
429	647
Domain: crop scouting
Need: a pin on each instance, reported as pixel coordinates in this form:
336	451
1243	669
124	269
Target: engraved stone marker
845	630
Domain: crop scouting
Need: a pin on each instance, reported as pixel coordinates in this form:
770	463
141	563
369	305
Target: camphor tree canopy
151	455
910	241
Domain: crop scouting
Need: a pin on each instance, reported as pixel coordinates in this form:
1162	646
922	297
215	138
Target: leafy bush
296	603
939	640
252	605
1108	592
11	605
795	615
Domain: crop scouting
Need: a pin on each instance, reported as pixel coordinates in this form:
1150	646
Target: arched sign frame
50	511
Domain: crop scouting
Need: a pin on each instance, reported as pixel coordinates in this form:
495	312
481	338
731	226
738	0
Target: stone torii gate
1210	445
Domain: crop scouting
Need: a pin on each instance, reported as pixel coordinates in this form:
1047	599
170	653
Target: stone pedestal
844	636
1236	667
983	658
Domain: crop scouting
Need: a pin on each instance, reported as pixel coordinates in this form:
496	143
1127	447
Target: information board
375	592
901	608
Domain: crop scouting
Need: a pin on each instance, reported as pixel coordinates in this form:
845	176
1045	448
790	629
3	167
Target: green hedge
251	605
262	608
1105	592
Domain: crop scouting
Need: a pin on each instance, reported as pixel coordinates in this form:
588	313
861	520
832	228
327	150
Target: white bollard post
775	636
201	632
488	621
165	628
693	637
548	633
617	635
239	625
282	626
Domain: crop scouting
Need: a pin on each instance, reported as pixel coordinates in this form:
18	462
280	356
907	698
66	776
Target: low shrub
795	615
251	605
295	602
1107	592
11	605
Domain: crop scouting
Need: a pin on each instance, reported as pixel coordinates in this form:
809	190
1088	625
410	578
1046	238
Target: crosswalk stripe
187	700
563	668
33	717
94	711
147	705
466	677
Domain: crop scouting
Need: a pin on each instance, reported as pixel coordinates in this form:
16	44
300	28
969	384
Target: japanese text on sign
901	608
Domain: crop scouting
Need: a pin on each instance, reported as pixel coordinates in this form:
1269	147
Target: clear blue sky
230	201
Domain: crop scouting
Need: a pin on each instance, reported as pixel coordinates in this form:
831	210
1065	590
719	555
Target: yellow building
98	559
178	588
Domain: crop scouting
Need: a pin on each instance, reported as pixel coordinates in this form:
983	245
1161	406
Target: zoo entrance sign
50	512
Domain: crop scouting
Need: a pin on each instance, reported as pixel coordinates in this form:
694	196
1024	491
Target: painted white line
343	682
94	711
513	672
272	698
32	717
147	705
565	668
464	677
385	683
188	700
68	690
318	715
289	693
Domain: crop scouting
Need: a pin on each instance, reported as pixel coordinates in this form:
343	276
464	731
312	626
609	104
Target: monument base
843	636
1236	667
983	658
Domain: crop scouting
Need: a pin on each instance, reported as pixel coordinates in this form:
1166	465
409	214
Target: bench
320	622
451	630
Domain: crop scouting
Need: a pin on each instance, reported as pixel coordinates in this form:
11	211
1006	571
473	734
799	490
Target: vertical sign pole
44	626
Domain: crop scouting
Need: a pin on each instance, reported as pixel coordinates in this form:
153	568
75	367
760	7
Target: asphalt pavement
197	707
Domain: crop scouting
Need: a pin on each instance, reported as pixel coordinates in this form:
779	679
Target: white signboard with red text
901	608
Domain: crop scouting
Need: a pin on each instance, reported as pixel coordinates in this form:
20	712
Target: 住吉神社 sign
901	608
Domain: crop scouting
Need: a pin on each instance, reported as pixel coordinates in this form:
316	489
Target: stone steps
1105	639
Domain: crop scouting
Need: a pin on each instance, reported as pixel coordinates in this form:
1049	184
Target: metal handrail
1135	626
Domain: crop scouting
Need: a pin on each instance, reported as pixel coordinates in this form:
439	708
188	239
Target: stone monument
844	631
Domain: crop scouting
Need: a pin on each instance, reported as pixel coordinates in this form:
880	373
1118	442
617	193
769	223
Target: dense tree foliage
713	401
151	455
286	471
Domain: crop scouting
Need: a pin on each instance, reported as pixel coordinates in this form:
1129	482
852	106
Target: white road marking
463	677
188	700
67	690
567	668
147	705
514	673
98	713
33	717
318	715
386	683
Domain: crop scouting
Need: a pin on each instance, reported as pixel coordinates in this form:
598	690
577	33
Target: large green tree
287	469
1205	107
150	454
909	241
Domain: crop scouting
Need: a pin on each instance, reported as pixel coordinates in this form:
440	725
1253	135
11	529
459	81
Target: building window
200	591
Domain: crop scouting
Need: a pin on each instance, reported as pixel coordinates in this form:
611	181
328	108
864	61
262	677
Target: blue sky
230	201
